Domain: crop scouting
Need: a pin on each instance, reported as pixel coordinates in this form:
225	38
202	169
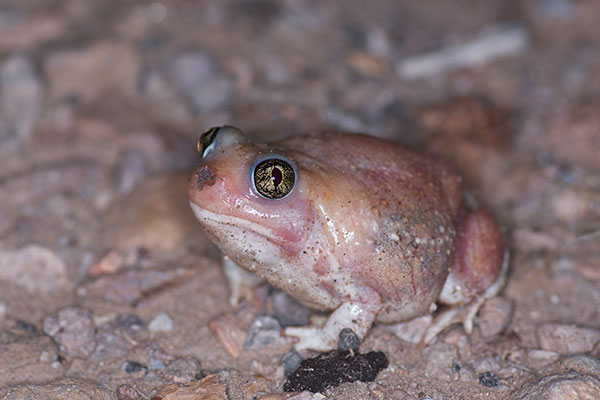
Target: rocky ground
109	291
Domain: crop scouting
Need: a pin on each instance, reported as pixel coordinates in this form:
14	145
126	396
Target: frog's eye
220	136
274	178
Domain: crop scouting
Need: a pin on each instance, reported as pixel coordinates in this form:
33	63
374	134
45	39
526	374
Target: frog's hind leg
478	273
466	313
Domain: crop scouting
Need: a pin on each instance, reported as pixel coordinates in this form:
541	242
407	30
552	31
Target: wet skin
351	223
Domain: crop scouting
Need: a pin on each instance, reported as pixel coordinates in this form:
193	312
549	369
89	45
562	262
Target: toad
348	223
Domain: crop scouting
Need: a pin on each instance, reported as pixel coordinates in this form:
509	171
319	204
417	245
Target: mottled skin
372	230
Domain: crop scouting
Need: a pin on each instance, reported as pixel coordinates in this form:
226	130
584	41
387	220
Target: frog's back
383	165
402	205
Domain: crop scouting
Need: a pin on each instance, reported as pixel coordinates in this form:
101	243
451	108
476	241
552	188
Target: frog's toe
455	314
445	319
311	338
465	314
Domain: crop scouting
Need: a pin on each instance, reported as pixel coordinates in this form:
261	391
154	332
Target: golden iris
274	178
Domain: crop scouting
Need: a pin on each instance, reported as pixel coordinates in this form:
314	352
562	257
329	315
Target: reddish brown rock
208	388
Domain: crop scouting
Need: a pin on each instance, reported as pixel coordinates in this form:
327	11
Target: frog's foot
242	283
357	317
463	313
313	338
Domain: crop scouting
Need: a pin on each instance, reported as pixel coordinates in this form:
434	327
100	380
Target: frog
363	227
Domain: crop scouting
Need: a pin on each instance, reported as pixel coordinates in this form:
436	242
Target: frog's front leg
478	273
357	316
242	283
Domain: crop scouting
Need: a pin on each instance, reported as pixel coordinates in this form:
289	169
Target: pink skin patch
321	267
479	251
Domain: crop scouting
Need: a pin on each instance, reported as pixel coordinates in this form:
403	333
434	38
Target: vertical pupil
276	176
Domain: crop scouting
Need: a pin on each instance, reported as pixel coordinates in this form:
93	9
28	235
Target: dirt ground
108	289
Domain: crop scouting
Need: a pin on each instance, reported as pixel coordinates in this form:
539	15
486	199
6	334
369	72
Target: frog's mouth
229	228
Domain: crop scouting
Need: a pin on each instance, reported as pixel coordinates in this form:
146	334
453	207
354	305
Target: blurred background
101	104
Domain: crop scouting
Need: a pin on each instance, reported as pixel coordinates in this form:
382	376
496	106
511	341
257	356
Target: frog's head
249	198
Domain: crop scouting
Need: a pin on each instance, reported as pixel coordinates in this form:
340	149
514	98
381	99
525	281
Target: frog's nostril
205	177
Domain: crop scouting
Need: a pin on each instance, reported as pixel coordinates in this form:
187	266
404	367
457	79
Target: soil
108	289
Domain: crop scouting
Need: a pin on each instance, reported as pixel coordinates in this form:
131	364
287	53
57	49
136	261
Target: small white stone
161	323
412	331
2	308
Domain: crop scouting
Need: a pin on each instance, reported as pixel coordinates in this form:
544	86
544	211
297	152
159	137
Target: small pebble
126	392
183	370
566	338
229	333
111	342
161	323
412	331
73	329
133	366
584	364
288	311
560	386
291	361
155	364
494	316
541	358
34	268
348	340
132	324
263	332
109	264
486	364
209	387
26	326
488	379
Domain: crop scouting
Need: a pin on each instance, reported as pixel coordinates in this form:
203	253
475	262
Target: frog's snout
204	176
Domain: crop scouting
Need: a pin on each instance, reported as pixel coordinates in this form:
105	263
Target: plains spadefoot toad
362	226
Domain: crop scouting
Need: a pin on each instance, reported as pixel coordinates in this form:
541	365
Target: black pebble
348	340
334	368
488	379
26	326
133	366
